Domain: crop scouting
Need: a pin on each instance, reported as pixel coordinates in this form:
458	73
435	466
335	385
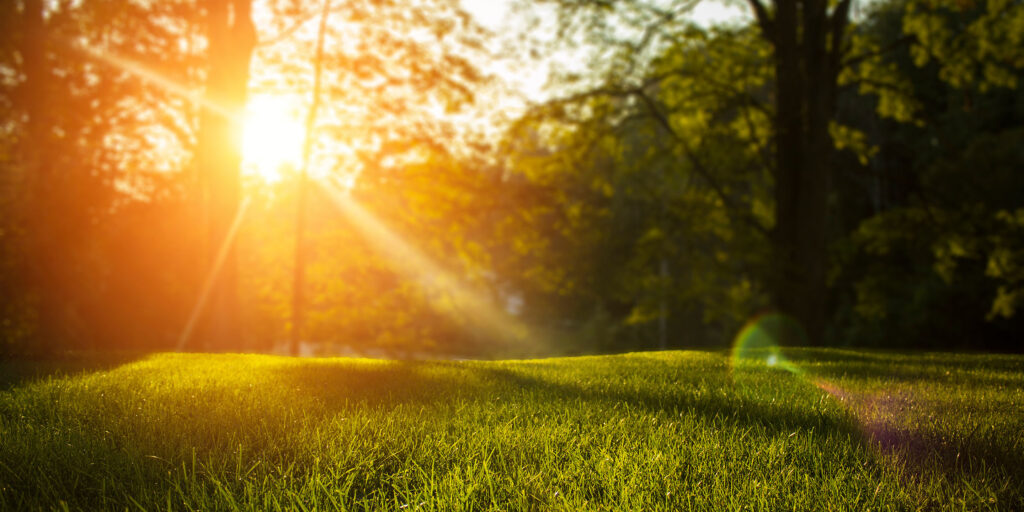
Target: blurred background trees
636	204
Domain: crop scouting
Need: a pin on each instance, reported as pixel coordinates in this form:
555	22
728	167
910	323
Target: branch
857	59
291	29
763	20
761	147
883	85
697	164
655	111
749	98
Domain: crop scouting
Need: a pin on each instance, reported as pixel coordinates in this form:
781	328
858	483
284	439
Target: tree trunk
299	270
663	306
231	38
38	207
807	42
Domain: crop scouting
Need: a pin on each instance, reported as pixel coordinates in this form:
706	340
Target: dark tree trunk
807	41
39	213
231	39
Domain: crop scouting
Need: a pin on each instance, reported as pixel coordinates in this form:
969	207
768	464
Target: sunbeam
211	277
148	75
152	77
468	302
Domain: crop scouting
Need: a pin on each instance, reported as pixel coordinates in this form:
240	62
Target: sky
493	13
273	128
529	81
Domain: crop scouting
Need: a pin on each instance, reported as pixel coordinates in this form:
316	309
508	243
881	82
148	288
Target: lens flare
758	343
466	302
757	357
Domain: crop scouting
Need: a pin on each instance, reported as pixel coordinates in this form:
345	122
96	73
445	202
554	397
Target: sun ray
272	135
148	75
211	277
469	303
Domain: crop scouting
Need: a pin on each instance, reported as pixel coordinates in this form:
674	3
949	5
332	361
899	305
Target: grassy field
827	430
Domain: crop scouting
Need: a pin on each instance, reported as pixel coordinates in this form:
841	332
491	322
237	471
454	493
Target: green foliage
922	259
1006	263
362	296
639	203
654	205
977	44
82	147
847	430
852	140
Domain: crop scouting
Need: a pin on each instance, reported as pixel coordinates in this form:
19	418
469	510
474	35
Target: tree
110	109
379	72
299	260
927	253
653	213
82	139
815	56
38	171
809	41
231	38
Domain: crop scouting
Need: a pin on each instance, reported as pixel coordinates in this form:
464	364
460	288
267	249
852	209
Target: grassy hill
822	429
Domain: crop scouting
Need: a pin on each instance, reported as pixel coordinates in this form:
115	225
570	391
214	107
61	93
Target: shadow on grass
918	450
956	383
930	446
325	387
721	407
338	386
965	453
390	384
21	371
968	368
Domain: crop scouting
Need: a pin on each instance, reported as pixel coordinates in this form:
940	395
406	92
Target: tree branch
857	59
697	164
763	20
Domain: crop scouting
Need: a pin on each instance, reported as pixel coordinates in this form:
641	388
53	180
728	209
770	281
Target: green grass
660	431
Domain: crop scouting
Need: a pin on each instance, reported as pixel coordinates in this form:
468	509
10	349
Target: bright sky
710	12
529	82
274	131
494	13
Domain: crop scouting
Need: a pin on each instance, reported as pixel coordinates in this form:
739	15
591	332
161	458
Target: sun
272	137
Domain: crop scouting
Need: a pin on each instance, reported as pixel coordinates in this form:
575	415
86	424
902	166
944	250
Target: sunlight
272	131
272	137
458	297
152	77
212	275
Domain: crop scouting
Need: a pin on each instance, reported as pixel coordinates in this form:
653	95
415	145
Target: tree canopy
851	166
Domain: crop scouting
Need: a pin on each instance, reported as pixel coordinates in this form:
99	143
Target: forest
374	178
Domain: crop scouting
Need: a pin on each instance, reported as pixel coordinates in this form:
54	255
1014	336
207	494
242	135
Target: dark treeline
856	167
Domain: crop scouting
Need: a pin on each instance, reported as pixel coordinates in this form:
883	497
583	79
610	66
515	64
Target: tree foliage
859	173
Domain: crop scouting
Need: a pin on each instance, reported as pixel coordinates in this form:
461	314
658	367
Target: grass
842	430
